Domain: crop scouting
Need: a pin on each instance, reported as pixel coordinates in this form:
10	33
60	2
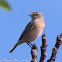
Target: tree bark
34	53
55	49
43	48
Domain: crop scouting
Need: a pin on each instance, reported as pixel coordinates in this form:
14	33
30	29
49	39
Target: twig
43	48
55	49
34	53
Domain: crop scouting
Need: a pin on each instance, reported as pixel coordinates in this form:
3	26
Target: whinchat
33	30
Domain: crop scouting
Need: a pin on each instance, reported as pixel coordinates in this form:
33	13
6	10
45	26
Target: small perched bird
33	30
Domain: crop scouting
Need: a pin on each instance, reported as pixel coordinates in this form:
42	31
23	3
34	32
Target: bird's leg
29	44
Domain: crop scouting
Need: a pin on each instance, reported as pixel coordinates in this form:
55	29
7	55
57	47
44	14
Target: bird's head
36	15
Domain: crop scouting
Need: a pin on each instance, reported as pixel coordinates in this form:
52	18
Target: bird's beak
30	15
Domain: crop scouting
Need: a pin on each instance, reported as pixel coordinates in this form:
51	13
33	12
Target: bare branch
43	48
55	49
34	53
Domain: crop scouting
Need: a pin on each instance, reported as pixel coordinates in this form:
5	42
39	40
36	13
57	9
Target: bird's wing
27	28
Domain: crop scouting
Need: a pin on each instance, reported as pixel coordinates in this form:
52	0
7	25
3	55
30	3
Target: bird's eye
36	14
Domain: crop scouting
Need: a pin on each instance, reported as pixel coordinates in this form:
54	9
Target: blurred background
13	19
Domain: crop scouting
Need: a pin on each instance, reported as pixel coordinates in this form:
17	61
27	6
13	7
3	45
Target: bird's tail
13	48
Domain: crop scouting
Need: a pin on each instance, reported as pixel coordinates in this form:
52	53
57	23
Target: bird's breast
39	23
36	30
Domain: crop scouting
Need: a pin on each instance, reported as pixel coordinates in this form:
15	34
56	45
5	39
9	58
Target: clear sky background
12	24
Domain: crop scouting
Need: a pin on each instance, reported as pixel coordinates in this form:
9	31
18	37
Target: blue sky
12	24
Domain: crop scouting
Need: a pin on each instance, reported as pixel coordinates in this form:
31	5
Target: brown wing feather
27	28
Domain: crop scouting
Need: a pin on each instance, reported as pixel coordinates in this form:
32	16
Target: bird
33	30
